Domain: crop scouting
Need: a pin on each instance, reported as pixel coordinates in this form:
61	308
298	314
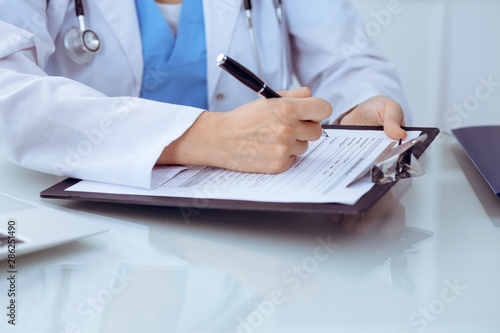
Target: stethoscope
82	44
247	5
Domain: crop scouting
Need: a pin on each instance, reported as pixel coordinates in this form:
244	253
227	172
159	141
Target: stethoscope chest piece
80	43
81	46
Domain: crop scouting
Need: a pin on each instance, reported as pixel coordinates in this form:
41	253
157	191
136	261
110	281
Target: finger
313	109
367	222
308	131
279	166
350	221
336	219
303	92
299	147
394	131
393	120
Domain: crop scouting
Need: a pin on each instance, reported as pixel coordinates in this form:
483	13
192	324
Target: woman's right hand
263	136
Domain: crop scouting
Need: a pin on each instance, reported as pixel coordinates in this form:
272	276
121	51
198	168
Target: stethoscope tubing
247	5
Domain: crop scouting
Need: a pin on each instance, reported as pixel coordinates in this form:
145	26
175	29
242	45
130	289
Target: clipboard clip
394	163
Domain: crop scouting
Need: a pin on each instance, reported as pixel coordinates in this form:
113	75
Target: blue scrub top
175	69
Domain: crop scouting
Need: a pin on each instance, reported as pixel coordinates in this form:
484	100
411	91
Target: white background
441	48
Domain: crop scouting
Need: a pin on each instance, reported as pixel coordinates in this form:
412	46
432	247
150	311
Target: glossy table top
425	259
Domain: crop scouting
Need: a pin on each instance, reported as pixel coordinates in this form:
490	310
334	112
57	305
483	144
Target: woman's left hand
378	111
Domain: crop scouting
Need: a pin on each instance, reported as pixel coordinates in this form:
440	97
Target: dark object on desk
368	200
482	145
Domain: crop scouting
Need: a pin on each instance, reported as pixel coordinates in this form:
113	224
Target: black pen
245	76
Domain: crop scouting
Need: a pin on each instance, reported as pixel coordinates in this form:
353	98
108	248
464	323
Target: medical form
321	175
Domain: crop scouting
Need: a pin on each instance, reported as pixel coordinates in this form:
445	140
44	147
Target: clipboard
361	206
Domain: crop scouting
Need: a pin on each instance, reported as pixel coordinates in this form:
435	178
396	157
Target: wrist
196	145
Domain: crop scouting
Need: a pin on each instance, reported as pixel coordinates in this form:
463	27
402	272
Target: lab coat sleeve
60	126
335	58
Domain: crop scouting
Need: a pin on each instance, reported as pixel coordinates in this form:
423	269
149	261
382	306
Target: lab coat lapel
220	21
122	18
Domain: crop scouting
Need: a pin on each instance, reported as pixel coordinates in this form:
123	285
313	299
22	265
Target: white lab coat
86	121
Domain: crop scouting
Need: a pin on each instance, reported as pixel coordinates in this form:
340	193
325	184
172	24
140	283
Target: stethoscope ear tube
81	44
247	5
284	45
79	8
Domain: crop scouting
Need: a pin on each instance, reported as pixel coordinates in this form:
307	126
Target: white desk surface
166	270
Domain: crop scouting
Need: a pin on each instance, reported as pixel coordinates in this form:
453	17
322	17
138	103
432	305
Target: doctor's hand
378	111
263	136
